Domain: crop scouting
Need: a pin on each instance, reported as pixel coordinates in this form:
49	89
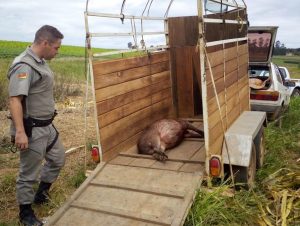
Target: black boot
42	195
27	217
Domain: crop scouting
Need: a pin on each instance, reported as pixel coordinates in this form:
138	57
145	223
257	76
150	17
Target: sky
19	19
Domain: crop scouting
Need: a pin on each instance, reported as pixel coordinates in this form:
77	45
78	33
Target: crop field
291	62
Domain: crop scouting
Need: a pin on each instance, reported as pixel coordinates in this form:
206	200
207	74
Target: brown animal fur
165	134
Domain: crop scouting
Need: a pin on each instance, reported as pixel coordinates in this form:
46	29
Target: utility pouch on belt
28	125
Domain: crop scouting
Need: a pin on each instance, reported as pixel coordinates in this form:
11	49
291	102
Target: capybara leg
160	156
193	128
192	135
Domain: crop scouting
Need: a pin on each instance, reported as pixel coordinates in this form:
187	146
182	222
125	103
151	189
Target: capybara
165	134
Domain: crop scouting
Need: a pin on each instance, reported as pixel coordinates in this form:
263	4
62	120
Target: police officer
31	105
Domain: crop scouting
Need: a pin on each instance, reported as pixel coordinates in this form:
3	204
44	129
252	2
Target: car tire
296	93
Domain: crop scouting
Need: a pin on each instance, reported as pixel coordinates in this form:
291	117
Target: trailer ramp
137	190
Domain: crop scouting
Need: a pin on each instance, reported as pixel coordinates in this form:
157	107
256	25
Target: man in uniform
31	105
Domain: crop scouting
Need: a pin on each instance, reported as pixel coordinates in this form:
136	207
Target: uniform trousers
37	164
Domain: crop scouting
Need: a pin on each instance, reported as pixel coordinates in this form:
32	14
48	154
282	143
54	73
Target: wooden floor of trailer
134	189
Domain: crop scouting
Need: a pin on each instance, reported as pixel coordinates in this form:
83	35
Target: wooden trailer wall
130	94
229	66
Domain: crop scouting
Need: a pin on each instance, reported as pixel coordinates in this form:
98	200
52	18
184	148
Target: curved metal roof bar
87	5
167	11
149	7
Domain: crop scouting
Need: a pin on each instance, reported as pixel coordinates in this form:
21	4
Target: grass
291	62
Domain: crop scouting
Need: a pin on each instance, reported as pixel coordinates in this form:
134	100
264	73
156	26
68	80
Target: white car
269	90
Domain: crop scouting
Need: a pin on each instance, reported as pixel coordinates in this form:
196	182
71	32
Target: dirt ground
70	122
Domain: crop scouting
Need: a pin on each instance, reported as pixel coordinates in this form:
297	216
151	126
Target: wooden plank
243	82
106	67
232	90
121	147
185	150
121	112
212	103
161	76
144	188
243	70
214	118
231	66
192	167
121	160
220	87
159	57
105	80
92	218
134	176
216	132
163	94
243	59
199	155
233	102
231	78
115	90
127	98
216	58
124	128
217	71
243	49
216	147
231	53
116	211
58	214
184	81
160	67
168	165
183	31
233	115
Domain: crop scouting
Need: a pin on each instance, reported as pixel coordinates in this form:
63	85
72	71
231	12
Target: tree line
280	49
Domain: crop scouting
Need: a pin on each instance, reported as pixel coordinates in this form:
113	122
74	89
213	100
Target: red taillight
95	154
215	166
272	96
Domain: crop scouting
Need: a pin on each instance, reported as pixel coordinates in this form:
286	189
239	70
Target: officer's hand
21	140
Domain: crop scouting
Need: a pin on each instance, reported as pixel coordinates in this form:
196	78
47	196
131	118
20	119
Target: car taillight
95	154
272	96
215	166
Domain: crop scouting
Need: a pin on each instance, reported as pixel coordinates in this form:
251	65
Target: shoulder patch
22	76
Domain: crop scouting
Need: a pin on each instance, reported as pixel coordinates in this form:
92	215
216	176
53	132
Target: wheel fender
238	140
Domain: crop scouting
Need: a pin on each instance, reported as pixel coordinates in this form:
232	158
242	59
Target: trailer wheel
296	93
245	176
259	142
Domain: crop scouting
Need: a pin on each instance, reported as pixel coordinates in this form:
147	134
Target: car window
259	72
278	75
282	71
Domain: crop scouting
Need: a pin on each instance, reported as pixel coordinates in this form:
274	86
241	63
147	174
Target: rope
219	108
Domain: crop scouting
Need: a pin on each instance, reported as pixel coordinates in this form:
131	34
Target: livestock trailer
200	74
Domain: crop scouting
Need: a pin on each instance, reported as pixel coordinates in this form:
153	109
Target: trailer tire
259	142
245	176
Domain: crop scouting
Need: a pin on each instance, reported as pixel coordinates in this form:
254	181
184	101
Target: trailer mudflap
239	138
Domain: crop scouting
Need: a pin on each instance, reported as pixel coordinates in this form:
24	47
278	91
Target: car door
284	90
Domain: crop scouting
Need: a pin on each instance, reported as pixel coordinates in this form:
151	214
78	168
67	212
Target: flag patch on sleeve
22	76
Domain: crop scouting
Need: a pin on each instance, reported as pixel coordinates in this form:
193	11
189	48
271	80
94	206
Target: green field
291	62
